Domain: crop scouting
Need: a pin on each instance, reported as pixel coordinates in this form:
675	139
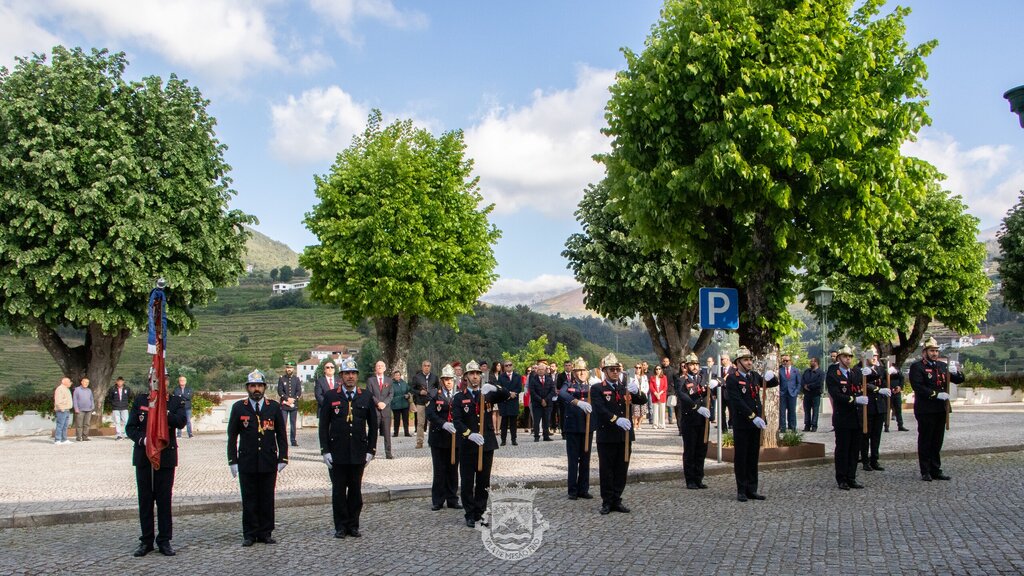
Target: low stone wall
973	396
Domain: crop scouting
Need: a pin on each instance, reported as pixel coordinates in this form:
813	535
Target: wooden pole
948	409
480	454
450	407
888	399
629	416
586	428
707	404
864	393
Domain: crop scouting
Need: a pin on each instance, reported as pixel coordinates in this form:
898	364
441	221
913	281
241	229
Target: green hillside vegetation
265	253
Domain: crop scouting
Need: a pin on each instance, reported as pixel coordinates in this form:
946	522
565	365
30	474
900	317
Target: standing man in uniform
510	380
725	368
578	435
813	382
155	485
379	386
896	384
743	386
466	419
289	389
692	392
348	441
614	431
844	390
257	451
877	396
930	378
442	434
542	399
423	383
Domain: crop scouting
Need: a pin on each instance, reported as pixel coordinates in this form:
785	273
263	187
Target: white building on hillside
282	287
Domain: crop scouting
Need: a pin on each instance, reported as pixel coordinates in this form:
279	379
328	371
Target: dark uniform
465	416
542	391
509	409
154	486
896	385
928	379
692	393
744	393
577	437
257	443
348	431
446	474
290	387
609	400
870	442
843	389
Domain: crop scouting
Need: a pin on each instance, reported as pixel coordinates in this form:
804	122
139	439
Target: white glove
893	370
713	384
633	387
281	465
585	406
942	396
760	423
143	441
704	412
234	470
624	423
488	388
954	367
885	392
866	371
368	458
449	427
329	460
476	439
769	375
862	400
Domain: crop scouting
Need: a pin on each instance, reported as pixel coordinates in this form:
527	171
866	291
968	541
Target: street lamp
823	299
1016	98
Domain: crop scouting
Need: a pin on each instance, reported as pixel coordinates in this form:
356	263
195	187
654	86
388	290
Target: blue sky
291	81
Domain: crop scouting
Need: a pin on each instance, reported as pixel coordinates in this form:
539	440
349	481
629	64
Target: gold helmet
931	343
579	364
610	361
691	358
742	353
845	350
448	371
472	366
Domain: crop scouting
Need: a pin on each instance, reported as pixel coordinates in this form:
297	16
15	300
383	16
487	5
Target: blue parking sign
719	308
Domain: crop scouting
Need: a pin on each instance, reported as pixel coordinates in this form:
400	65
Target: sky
290	83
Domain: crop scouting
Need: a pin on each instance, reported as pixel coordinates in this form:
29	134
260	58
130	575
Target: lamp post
1016	98
823	299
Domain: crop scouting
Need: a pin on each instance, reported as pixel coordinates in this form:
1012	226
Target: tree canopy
1011	258
402	233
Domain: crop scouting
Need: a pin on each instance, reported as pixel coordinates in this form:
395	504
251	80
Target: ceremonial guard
844	388
743	387
477	441
878	394
694	399
930	378
443	447
896	385
257	451
575	395
289	389
348	441
155	484
611	415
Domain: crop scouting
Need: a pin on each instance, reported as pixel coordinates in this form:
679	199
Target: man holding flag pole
150	426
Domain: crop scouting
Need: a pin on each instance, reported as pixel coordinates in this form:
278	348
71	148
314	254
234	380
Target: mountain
265	253
517	298
568	304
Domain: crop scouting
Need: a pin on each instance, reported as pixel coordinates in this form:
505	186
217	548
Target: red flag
158	435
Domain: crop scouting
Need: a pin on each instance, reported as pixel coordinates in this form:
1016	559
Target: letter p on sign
719	308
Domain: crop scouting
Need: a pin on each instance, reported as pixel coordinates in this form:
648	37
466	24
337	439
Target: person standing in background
84	403
120	398
62	405
183	391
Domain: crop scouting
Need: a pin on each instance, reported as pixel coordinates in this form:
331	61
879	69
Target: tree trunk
394	334
756	292
769	437
670	334
909	342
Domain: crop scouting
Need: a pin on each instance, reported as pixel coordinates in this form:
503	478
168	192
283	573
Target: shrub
203	403
1013	380
727	440
14	406
791	438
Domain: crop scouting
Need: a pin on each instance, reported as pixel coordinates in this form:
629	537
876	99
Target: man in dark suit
423	383
289	390
257	451
348	441
789	389
329	381
813	383
560	379
614	431
930	378
542	399
512	381
155	484
379	386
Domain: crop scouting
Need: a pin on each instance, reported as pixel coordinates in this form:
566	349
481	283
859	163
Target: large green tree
932	268
106	185
623	278
774	128
1011	257
402	233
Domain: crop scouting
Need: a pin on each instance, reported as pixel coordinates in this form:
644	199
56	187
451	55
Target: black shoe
296	444
354	532
165	549
502	442
470	523
902	429
755	496
269	540
941	476
547	439
142	550
455	506
482	523
814	428
844	486
339	534
926	477
702	485
408	435
536	438
605	509
514	443
573	496
620	508
691	486
867	468
435	507
248	542
586	496
877	467
807	428
389	457
741	497
856	485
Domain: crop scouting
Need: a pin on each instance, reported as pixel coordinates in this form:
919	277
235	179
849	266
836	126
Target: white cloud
19	33
988	177
316	125
542	283
540	155
344	13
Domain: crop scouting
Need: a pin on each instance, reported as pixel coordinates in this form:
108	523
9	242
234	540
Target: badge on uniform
743	389
142	416
572	390
337	406
844	389
245	421
607	396
268	424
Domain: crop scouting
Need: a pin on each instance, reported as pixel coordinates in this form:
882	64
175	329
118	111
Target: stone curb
90	515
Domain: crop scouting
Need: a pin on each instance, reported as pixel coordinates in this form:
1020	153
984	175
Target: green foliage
974	370
12	406
307	406
791	438
367	358
1014	380
265	254
1011	259
285	274
535	350
203	403
274	274
751	134
728	441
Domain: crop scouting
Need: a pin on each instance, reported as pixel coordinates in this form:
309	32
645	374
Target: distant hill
265	253
569	304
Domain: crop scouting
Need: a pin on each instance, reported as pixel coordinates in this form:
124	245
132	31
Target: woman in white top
640	410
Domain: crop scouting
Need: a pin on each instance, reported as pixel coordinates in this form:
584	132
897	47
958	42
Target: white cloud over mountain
316	125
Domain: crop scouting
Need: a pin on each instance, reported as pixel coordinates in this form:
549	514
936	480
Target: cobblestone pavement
33	466
971	525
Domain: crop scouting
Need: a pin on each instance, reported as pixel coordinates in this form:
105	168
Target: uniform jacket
289	388
692	392
609	400
542	388
256	442
876	402
380	392
928	379
575	418
348	441
120	400
813	382
844	389
320	388
439	411
465	417
514	383
789	380
185	394
136	430
744	392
